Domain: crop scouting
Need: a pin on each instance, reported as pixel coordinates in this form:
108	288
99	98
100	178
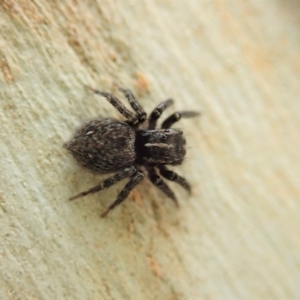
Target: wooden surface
237	236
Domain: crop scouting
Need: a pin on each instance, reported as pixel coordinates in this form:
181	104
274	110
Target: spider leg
158	181
167	123
141	114
172	176
107	183
114	101
156	113
135	179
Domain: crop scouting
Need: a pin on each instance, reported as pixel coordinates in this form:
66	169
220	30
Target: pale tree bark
237	236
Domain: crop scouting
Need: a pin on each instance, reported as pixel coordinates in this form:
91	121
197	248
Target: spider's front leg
156	113
158	182
175	117
172	176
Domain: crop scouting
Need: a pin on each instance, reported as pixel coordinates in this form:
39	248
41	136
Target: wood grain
237	236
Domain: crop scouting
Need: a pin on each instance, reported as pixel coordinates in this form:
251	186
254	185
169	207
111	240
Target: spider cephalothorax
132	148
160	147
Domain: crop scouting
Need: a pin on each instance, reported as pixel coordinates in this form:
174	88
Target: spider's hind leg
141	114
107	183
135	180
115	102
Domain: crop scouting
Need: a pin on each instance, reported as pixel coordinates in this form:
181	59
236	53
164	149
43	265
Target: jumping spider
132	148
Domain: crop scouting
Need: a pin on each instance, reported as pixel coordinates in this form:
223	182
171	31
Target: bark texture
237	236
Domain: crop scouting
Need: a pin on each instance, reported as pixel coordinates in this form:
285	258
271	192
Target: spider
131	149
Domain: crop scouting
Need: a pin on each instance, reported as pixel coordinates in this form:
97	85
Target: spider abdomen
104	146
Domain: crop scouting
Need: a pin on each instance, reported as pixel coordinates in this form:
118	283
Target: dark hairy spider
131	149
